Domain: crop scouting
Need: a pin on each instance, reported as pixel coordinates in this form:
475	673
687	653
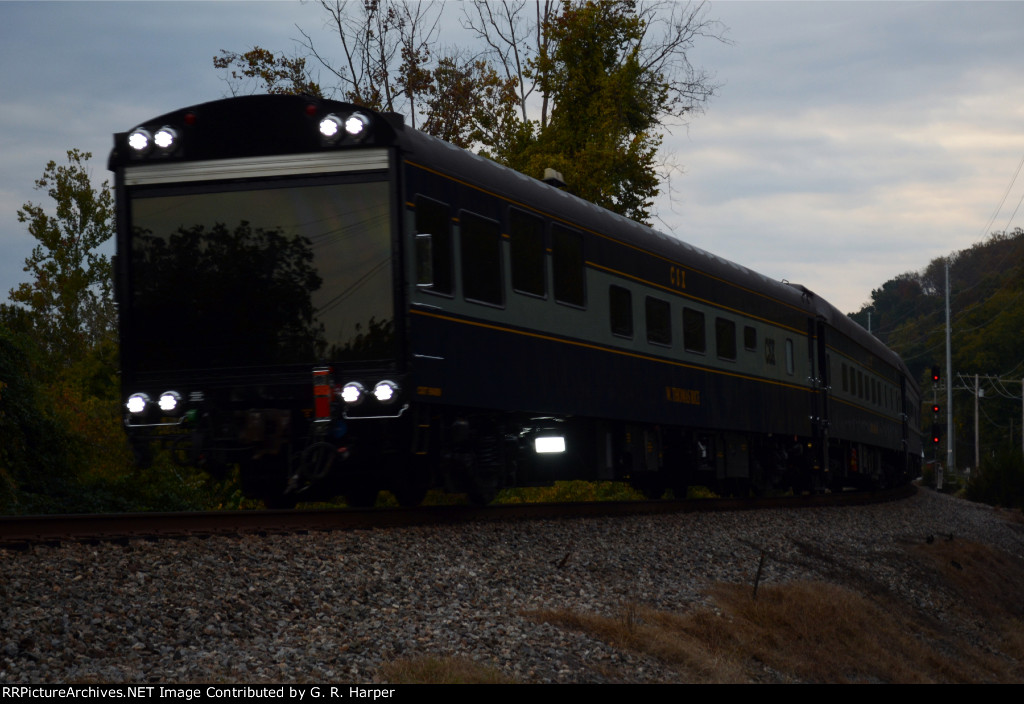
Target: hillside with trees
987	315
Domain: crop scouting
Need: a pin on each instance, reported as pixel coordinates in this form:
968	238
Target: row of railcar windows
862	386
480	253
482	281
658	318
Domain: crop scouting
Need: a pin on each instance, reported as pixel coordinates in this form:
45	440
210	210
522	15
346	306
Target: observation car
337	303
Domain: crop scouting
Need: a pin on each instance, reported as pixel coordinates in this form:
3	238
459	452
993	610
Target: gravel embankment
333	606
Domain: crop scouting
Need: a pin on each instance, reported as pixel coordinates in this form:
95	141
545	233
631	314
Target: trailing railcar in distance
337	303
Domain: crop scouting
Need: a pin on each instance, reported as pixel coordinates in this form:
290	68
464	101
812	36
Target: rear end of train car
258	279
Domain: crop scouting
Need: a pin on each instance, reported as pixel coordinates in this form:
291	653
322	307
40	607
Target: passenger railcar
338	303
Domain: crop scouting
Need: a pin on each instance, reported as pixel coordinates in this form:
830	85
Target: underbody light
549	444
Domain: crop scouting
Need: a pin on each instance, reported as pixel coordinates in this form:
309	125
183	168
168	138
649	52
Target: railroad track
22	532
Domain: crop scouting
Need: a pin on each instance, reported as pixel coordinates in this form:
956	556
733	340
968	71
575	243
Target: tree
604	106
386	47
279	74
606	78
69	300
582	87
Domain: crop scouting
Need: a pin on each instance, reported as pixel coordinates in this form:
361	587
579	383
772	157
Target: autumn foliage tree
276	74
69	297
601	135
583	87
58	355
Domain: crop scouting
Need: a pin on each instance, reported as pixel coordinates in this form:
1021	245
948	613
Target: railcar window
480	246
526	246
790	368
845	385
432	218
694	337
749	338
567	260
769	350
725	338
620	303
659	321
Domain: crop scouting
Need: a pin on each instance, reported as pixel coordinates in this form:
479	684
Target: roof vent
553	178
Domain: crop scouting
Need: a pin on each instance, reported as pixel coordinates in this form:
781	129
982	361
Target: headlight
334	128
357	125
165	138
330	128
137	404
140	140
353	393
170	402
385	391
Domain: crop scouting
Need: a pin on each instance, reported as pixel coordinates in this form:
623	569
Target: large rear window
276	274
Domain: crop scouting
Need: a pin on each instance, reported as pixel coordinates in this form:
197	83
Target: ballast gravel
334	606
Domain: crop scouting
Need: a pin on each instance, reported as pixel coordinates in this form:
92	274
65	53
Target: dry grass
960	620
821	632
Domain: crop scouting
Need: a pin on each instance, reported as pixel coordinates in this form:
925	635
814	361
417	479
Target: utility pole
950	435
999	386
977	448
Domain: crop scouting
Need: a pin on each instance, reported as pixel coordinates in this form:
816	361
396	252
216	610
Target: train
335	303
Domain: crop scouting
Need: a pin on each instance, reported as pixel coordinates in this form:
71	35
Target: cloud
849	142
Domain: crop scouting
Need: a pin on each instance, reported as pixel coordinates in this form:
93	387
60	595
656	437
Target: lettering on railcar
677	277
428	391
674	394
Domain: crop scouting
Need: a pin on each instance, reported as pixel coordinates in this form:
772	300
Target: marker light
549	444
165	138
170	401
140	140
352	393
137	404
385	391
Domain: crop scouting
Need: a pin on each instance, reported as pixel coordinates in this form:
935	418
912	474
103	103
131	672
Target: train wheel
483	485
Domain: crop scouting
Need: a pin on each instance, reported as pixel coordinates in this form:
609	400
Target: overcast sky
849	141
